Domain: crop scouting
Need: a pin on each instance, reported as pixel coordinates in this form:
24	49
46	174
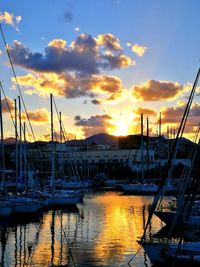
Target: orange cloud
37	116
57	43
9	18
138	49
157	90
7	103
42	84
109	41
173	116
109	88
145	111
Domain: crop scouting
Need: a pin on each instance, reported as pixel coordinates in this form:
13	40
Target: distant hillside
9	141
103	139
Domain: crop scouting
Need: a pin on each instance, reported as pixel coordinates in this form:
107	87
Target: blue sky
166	31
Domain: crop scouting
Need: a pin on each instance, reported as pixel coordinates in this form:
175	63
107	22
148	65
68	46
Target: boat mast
52	147
20	141
61	153
2	149
160	133
25	178
16	141
147	145
142	148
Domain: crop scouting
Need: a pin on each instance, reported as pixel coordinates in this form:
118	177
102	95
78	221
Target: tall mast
160	133
142	147
25	178
52	146
20	140
147	145
61	154
16	141
168	137
2	149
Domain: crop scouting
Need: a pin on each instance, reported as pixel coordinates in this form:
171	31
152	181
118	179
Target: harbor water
103	231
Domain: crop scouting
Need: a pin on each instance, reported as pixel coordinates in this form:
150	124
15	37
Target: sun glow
121	127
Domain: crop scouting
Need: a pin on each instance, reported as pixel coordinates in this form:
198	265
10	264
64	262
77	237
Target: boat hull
159	253
5	211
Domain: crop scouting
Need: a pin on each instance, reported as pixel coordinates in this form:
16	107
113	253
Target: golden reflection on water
49	251
124	220
103	233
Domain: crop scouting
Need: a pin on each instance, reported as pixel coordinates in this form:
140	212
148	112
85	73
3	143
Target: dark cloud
83	55
156	90
68	16
110	61
55	59
96	102
94	124
77	118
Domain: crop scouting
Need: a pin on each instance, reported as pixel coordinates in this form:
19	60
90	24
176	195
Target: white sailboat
5	205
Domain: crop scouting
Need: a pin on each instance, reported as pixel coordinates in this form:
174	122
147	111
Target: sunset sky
105	61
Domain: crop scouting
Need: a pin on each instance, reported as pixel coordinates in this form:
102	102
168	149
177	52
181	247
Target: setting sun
122	126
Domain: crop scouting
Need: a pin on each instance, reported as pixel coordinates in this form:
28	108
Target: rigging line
75	170
173	152
182	183
187	176
192	151
18	87
189	199
8	106
1	86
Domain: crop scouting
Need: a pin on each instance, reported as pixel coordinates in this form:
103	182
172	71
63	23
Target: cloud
146	111
57	44
10	103
96	102
94	124
72	86
111	61
77	29
9	18
82	55
37	116
173	116
68	16
42	84
138	49
109	41
128	44
157	90
75	69
55	59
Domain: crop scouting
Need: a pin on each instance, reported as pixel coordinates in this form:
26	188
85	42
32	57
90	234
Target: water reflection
103	233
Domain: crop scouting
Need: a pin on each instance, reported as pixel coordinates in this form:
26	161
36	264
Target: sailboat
180	252
58	197
5	205
21	203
